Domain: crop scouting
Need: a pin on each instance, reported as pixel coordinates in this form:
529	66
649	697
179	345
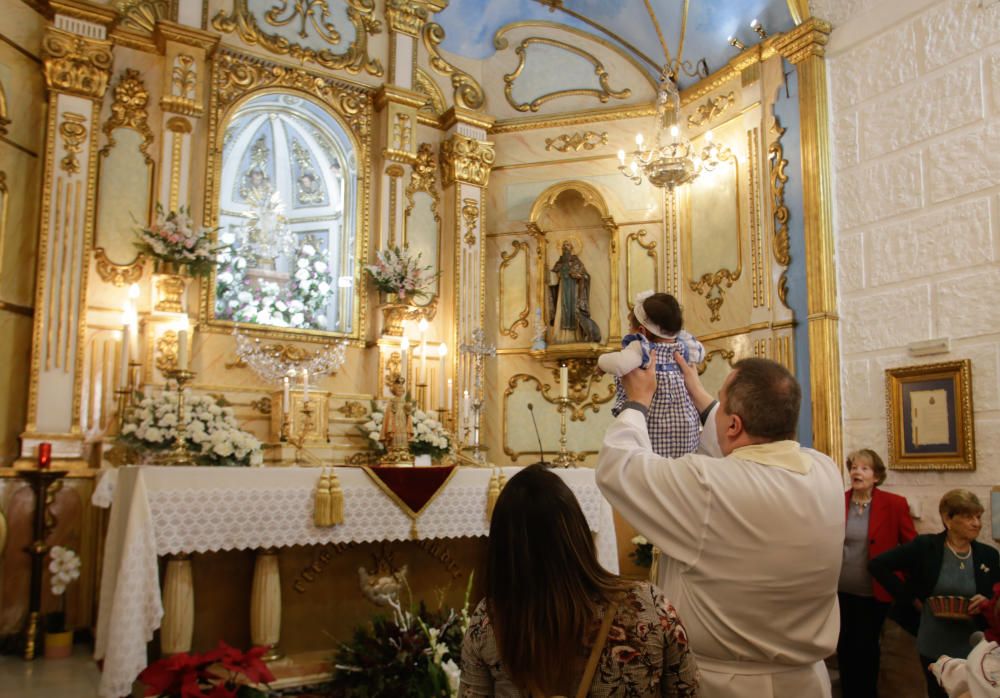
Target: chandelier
672	159
266	233
274	362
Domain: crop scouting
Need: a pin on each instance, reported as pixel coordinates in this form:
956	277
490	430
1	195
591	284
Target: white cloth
751	556
977	677
170	510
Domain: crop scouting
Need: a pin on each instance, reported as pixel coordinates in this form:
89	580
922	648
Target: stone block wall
915	106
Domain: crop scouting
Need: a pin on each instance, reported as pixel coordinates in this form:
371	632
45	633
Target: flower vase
393	314
170	286
58	645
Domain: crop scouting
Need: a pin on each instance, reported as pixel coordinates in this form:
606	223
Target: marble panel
921	110
874	67
851	262
941	240
955	29
967	306
891	319
873	192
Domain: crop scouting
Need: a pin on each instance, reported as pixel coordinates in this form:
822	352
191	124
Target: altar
162	511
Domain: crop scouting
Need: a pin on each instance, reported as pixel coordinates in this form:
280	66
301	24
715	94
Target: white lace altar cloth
169	510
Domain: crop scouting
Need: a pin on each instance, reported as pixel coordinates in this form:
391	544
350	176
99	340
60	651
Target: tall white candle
563	382
123	359
422	326
305	384
182	350
404	350
285	395
450	399
466	405
442	352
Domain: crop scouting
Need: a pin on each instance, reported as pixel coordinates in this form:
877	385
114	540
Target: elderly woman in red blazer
877	521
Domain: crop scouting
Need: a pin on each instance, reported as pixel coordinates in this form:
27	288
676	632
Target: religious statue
397	424
569	298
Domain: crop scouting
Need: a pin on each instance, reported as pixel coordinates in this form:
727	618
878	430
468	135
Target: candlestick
564	459
179	453
449	393
404	350
442	352
563	381
182	350
285	395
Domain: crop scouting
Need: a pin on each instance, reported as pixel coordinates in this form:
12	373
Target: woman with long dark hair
556	623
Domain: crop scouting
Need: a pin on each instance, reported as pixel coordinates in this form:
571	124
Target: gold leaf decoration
354	59
468	93
587	140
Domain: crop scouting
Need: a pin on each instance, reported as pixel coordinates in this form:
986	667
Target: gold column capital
408	16
458	115
391	94
806	40
167	31
75	64
465	159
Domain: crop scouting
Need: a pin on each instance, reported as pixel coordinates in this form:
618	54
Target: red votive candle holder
44	455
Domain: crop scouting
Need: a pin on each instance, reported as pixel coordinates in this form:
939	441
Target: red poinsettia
213	674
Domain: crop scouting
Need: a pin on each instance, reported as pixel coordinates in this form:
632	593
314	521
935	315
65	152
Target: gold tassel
492	495
336	500
321	513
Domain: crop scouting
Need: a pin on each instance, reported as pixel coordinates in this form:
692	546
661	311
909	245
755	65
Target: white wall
915	108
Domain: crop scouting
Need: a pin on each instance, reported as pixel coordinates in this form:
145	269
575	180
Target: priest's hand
639	384
692	381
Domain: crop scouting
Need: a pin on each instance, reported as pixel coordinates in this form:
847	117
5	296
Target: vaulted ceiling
471	24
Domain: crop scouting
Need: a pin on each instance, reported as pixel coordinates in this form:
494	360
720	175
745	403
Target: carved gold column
397	113
466	161
406	19
804	47
183	103
77	64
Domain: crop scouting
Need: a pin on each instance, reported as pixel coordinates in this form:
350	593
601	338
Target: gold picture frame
930	422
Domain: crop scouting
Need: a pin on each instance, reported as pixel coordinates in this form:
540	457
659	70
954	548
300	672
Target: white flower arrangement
396	271
429	435
301	303
64	568
212	433
172	237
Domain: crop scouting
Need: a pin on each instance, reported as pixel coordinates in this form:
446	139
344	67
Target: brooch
984	568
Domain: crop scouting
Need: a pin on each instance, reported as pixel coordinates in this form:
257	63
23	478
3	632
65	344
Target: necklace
861	504
961	558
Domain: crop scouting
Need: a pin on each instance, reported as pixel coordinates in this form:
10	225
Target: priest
751	529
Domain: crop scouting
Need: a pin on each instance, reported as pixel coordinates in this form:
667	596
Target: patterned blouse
646	654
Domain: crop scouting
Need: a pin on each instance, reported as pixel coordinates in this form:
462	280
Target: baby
673	422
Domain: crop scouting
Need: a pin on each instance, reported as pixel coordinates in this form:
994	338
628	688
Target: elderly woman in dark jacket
951	563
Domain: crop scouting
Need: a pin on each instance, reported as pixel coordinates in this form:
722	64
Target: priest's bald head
758	403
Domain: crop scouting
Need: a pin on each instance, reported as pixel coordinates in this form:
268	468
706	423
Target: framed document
930	417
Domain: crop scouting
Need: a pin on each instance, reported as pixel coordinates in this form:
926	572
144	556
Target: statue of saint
569	299
397	424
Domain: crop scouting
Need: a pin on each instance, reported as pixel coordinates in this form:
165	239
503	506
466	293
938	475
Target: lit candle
123	356
422	326
133	337
182	350
305	384
285	395
442	352
466	405
404	350
450	400
44	455
563	382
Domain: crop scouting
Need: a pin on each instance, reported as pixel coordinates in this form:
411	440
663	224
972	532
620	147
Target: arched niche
574	232
289	210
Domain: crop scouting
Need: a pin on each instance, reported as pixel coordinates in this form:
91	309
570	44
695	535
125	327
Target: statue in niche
397	423
569	300
255	186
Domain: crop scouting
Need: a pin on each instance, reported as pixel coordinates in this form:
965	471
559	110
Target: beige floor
75	677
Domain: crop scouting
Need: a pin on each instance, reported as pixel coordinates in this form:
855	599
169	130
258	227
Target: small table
158	510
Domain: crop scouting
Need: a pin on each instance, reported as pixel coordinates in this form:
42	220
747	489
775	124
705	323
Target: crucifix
479	350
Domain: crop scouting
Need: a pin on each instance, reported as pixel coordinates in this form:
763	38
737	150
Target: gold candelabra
564	459
179	454
305	427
